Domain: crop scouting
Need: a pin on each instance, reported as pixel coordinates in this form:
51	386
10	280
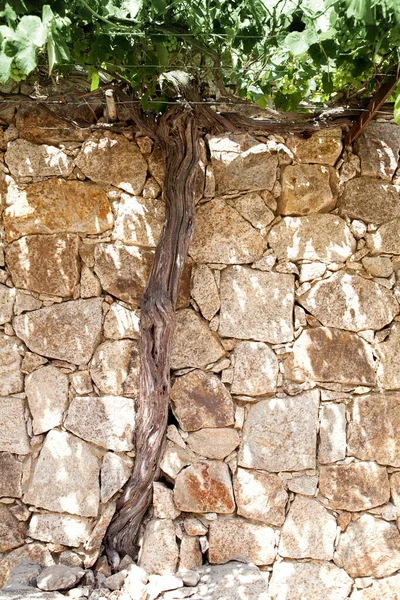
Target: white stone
310	271
67	530
11	378
216	443
306	485
47	393
332	433
238	539
115	471
159	551
381	589
121	322
163	502
175	459
205	291
7	299
233	581
253	208
139	221
255	369
260	496
115	368
25	159
193	343
309	581
13	434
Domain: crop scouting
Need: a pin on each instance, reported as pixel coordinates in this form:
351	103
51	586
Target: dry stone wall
283	446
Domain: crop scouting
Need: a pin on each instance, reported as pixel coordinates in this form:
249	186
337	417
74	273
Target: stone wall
283	446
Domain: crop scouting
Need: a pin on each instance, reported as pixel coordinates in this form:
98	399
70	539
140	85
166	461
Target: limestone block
115	368
238	539
322	147
56	528
378	148
190	556
159	551
387	588
253	208
309	581
236	581
260	496
370	200
308	189
332	433
120	322
24	301
386	240
90	285
10	476
11	378
13	435
193	343
139	221
378	266
255	369
163	502
7	299
215	443
304	484
93	544
176	458
47	393
205	291
204	487
12	532
59	577
35	552
25	159
389	353
115	472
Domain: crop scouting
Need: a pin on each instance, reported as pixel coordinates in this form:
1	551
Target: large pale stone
307	189
354	487
139	221
67	530
69	331
381	589
123	270
350	302
66	476
159	551
11	378
56	205
370	200
201	400
322	147
256	305
176	458
59	577
35	552
115	471
330	355
120	322
10	476
47	393
107	421
236	581
378	148
280	434
190	555
7	299
221	235
370	547
163	502
332	433
214	443
386	240
204	487
12	532
309	581
373	430
25	159
115	368
193	343
389	354
260	496
237	539
241	163
205	291
93	543
255	369
110	158
68	122
13	434
321	237
308	532
253	208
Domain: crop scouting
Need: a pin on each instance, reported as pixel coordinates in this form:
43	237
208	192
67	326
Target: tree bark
179	139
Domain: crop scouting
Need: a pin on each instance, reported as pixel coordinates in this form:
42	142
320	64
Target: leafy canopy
282	53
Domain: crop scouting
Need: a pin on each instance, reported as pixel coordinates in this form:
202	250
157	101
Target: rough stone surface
332	433
236	581
93	543
305	484
321	237
7	299
110	158
115	471
193	343
57	205
370	547
330	355
378	148
214	443
322	147
163	502
120	322
255	369
107	421
309	581
201	400
256	305
69	331
10	476
12	532
139	221
25	159
370	200
221	235
354	487
47	393
389	354
115	368
307	189
175	459
386	240
378	266
253	208
13	434
237	539
11	378
59	577
260	496
90	284
241	163
159	551
204	487
66	476
24	301
67	530
350	302
381	589
205	291
372	432
36	552
190	556
23	575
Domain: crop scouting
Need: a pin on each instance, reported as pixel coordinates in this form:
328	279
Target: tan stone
204	487
370	200
163	502
322	147
120	322
11	378
236	581
205	291
59	577
24	301
310	271
25	159
115	368
90	285
330	355
193	343
175	459
308	532
260	496
372	431
47	393
256	305
253	208
159	551
395	488
307	189
66	476
7	299
123	270
194	526
94	542
201	400
255	369
10	476
280	434
81	382
13	434
237	539
12	532
241	163
350	302
378	148
35	552
56	205
214	443
389	353
321	237
115	472
354	487
107	421
139	221
56	528
370	547
378	266
332	433
190	556
309	581
381	589
304	484
69	331
386	240
110	158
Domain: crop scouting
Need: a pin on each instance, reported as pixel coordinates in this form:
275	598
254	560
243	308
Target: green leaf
162	54
32	28
5	67
94	79
396	112
26	59
298	42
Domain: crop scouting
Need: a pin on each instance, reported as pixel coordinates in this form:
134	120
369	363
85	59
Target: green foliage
286	53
